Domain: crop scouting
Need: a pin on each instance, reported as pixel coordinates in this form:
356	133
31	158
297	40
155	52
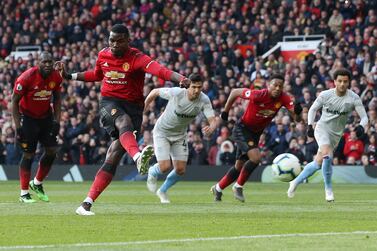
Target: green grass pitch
128	217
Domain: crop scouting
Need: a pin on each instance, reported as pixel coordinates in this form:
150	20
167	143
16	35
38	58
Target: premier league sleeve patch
19	87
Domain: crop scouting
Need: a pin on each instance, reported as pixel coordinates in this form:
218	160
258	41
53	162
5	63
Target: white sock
217	187
136	156
237	185
89	200
23	192
37	182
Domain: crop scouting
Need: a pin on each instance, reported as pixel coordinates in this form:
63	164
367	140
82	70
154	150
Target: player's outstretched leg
172	178
142	162
327	174
308	171
153	174
229	178
245	173
102	180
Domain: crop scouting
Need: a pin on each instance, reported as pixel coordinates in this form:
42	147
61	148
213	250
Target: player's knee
180	171
164	167
50	151
48	158
26	163
124	124
29	156
109	167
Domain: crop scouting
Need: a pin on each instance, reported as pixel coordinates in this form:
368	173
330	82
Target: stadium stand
223	40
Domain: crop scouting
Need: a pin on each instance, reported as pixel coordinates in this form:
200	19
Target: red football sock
244	176
100	183
128	141
246	171
24	172
229	178
24	178
42	172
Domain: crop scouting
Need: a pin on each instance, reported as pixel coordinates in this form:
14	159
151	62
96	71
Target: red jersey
36	92
123	78
262	108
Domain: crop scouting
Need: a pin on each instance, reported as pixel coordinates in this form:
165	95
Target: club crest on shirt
113	111
52	85
278	105
126	66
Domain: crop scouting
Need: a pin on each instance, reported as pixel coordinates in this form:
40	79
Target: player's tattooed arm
87	76
182	80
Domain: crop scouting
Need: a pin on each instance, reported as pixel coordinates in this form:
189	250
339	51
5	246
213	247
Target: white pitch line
129	243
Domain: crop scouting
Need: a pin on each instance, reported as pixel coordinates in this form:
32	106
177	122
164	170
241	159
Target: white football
286	167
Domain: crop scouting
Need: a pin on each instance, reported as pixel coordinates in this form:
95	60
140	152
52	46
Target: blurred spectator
199	155
353	149
294	149
227	153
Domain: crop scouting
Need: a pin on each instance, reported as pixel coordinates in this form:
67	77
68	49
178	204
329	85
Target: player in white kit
170	131
336	103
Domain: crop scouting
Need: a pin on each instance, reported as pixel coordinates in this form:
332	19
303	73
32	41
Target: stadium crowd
197	36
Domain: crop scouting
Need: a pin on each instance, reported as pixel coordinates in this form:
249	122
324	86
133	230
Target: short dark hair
277	76
342	72
195	77
120	28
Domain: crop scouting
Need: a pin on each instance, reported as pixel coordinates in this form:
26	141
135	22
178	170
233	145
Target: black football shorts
244	138
111	108
36	130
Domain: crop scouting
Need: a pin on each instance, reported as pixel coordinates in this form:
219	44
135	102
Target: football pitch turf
128	217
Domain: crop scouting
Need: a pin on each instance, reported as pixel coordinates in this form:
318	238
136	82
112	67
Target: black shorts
111	108
245	139
37	130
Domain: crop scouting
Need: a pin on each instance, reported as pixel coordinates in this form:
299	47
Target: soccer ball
286	167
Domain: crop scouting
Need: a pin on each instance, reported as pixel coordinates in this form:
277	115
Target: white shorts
174	147
325	137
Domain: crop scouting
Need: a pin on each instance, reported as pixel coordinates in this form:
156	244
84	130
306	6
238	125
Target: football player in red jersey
36	121
262	108
122	71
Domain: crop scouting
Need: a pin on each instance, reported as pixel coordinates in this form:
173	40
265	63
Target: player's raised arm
86	76
156	69
234	94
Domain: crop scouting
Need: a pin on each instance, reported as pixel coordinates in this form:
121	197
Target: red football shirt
262	108
124	77
36	92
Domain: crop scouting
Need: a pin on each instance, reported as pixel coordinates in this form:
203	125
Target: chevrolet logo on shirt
266	113
114	75
43	94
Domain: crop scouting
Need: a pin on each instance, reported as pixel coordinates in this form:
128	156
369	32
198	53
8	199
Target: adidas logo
106	64
73	175
3	176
